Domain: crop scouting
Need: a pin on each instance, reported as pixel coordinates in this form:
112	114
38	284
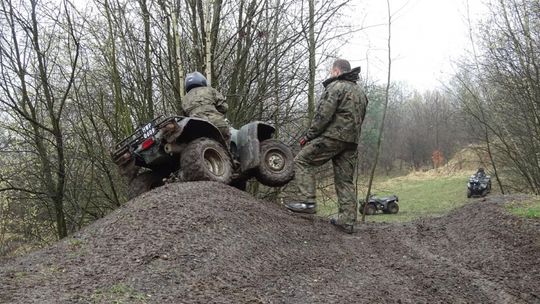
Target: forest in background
76	79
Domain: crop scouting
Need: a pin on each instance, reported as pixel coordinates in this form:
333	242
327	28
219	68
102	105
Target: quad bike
192	149
478	185
388	204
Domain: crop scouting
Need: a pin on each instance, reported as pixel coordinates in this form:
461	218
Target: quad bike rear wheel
144	182
469	193
205	159
276	168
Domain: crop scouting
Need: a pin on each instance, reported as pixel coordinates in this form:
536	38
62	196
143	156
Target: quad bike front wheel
144	182
370	209
392	208
276	168
205	159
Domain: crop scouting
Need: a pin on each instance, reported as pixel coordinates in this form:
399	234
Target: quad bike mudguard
168	130
247	141
190	128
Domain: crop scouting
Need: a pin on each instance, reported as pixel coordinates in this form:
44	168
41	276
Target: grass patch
419	196
528	209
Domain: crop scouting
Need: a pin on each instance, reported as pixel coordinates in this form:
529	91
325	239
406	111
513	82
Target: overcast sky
426	36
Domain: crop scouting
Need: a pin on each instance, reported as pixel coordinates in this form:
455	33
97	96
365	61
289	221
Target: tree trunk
178	58
122	112
208	42
385	106
312	66
147	62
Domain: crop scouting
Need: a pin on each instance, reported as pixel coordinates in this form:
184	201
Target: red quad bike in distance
192	149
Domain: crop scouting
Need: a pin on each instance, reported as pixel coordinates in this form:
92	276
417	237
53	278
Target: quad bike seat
384	199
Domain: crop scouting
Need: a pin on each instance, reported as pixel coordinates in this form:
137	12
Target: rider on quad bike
205	102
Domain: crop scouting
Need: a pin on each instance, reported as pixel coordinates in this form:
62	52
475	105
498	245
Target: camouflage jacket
206	103
341	109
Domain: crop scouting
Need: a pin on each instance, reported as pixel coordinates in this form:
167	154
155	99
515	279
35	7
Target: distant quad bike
388	204
478	186
192	149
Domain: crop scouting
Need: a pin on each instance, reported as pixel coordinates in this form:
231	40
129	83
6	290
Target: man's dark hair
343	65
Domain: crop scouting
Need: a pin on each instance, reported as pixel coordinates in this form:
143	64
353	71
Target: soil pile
205	242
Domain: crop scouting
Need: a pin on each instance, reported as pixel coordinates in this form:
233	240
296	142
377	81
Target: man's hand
303	141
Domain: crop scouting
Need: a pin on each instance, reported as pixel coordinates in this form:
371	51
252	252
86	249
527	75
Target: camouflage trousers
343	155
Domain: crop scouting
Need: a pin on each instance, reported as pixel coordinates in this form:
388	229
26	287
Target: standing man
205	102
333	135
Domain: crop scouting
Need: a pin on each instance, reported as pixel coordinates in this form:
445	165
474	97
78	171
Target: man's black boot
302	207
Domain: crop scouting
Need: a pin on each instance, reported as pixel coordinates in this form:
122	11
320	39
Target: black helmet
194	80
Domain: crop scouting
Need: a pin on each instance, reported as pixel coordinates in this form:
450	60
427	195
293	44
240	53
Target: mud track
208	243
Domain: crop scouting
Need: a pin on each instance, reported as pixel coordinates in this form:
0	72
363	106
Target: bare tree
38	98
385	105
501	91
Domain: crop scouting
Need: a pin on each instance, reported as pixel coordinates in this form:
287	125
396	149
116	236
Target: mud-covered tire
144	182
469	193
392	208
370	209
276	168
205	159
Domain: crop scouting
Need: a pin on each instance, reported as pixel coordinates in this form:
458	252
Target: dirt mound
208	243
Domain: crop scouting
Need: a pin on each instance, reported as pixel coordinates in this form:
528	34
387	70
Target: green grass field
420	195
529	209
423	195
